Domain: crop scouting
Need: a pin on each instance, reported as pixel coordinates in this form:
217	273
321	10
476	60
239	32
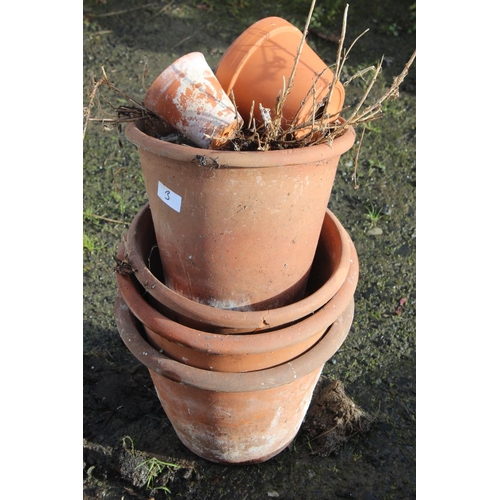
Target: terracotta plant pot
257	63
237	229
237	352
234	418
188	96
328	273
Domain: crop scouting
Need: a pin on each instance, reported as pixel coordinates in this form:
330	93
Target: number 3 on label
173	200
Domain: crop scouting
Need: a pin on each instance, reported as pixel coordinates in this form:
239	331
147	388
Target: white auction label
173	200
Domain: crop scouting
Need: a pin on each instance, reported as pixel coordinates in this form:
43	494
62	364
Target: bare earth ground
124	424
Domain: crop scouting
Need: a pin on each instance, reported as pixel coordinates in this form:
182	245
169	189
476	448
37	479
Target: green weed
373	127
326	14
234	6
155	468
91	244
373	214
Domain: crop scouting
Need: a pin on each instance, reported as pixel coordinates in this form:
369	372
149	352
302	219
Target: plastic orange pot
237	229
189	97
234	418
328	272
261	59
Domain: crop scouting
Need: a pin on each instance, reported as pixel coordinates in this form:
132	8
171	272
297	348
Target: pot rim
134	131
246	343
198	378
237	319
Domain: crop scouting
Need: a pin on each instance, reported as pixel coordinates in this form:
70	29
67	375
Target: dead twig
284	95
123	113
123	11
107	219
374	111
338	67
356	158
87	110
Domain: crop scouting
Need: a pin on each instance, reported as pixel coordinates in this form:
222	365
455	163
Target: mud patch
333	418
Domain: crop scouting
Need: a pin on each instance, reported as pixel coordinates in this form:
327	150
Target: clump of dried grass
271	135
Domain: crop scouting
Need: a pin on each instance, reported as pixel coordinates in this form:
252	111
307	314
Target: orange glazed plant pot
329	271
236	352
257	63
189	97
234	418
237	229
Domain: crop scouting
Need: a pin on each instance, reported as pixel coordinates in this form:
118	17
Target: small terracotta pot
257	63
188	96
328	272
234	418
237	352
237	229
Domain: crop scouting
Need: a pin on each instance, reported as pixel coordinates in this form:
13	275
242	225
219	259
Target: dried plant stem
284	95
357	157
116	89
107	219
373	111
87	110
394	89
125	113
124	11
250	119
356	112
346	54
341	58
293	123
338	68
359	74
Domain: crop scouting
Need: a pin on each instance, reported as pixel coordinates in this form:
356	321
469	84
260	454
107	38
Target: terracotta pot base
261	58
234	418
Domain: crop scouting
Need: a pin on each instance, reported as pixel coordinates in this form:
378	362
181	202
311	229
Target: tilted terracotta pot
261	59
328	273
234	418
236	352
188	96
237	229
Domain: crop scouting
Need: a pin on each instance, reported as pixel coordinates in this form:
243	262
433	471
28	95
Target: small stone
375	231
273	494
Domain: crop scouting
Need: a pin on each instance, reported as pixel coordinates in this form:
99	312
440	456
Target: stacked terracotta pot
236	286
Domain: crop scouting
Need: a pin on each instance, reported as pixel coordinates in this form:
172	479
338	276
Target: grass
91	244
373	214
155	468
